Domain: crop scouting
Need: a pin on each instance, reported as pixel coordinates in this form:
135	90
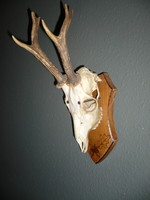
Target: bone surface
86	114
78	86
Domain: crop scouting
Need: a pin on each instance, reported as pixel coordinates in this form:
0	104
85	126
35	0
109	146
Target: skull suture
86	113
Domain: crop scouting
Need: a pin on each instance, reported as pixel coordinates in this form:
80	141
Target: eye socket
67	102
96	94
89	105
79	102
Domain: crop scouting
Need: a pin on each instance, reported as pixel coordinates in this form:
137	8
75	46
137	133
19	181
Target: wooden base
104	137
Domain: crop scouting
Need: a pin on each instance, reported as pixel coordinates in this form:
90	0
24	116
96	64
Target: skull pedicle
86	113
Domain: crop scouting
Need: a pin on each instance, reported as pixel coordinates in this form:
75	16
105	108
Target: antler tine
67	21
35	49
60	43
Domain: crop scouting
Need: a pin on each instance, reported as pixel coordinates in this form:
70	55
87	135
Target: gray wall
39	156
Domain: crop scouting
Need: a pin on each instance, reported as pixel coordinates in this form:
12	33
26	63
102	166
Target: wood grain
103	139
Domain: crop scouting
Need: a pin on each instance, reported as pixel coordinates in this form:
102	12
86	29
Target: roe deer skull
83	107
78	86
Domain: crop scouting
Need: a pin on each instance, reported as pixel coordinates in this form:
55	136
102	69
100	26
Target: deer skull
86	113
78	86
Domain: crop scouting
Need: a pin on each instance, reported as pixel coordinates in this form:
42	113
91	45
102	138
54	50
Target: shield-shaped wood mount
103	139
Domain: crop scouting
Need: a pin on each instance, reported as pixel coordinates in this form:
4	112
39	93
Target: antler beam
70	78
60	43
35	49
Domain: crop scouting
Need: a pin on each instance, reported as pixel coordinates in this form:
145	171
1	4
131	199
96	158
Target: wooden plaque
104	137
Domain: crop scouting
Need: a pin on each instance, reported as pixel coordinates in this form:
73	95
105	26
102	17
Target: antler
60	43
71	77
35	49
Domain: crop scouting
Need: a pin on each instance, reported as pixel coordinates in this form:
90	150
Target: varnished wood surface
104	137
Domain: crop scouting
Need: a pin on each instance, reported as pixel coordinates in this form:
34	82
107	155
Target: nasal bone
76	122
75	111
